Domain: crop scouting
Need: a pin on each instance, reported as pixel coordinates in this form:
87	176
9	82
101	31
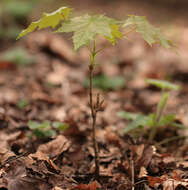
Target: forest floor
43	80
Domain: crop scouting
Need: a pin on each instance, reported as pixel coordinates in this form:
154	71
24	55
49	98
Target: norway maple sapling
86	29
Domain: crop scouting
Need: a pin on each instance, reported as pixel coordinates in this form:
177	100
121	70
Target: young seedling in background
86	29
157	119
46	129
158	116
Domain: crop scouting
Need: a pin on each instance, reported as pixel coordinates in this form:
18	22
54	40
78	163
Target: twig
132	173
170	139
12	159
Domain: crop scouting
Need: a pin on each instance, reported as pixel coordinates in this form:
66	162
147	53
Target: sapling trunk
94	107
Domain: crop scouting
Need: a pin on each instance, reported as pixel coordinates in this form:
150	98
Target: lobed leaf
148	32
47	20
165	85
87	27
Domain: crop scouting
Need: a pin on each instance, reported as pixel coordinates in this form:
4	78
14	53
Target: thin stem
94	109
170	140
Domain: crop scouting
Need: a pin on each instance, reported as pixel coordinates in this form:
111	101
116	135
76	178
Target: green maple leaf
149	33
47	20
87	27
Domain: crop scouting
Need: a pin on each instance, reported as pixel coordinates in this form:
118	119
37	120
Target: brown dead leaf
155	181
5	141
55	147
92	186
17	179
176	175
143	172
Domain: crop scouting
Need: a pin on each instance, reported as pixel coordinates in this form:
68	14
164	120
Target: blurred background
16	14
43	66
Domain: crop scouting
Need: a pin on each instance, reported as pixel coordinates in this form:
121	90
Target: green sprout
46	129
22	103
154	120
85	30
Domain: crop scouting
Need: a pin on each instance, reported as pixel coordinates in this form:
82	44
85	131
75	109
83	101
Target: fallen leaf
92	186
155	181
17	179
143	172
55	147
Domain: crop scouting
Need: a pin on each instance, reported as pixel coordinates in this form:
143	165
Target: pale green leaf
87	27
149	33
60	126
165	85
47	20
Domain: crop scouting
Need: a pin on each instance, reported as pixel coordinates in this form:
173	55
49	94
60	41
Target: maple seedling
157	119
46	129
86	29
158	116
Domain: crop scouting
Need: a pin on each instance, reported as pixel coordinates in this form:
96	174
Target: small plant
157	119
19	56
22	103
86	29
46	129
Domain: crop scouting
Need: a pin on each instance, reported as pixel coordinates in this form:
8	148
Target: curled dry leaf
17	179
55	147
156	181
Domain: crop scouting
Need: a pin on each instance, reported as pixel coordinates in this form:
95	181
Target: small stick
132	173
